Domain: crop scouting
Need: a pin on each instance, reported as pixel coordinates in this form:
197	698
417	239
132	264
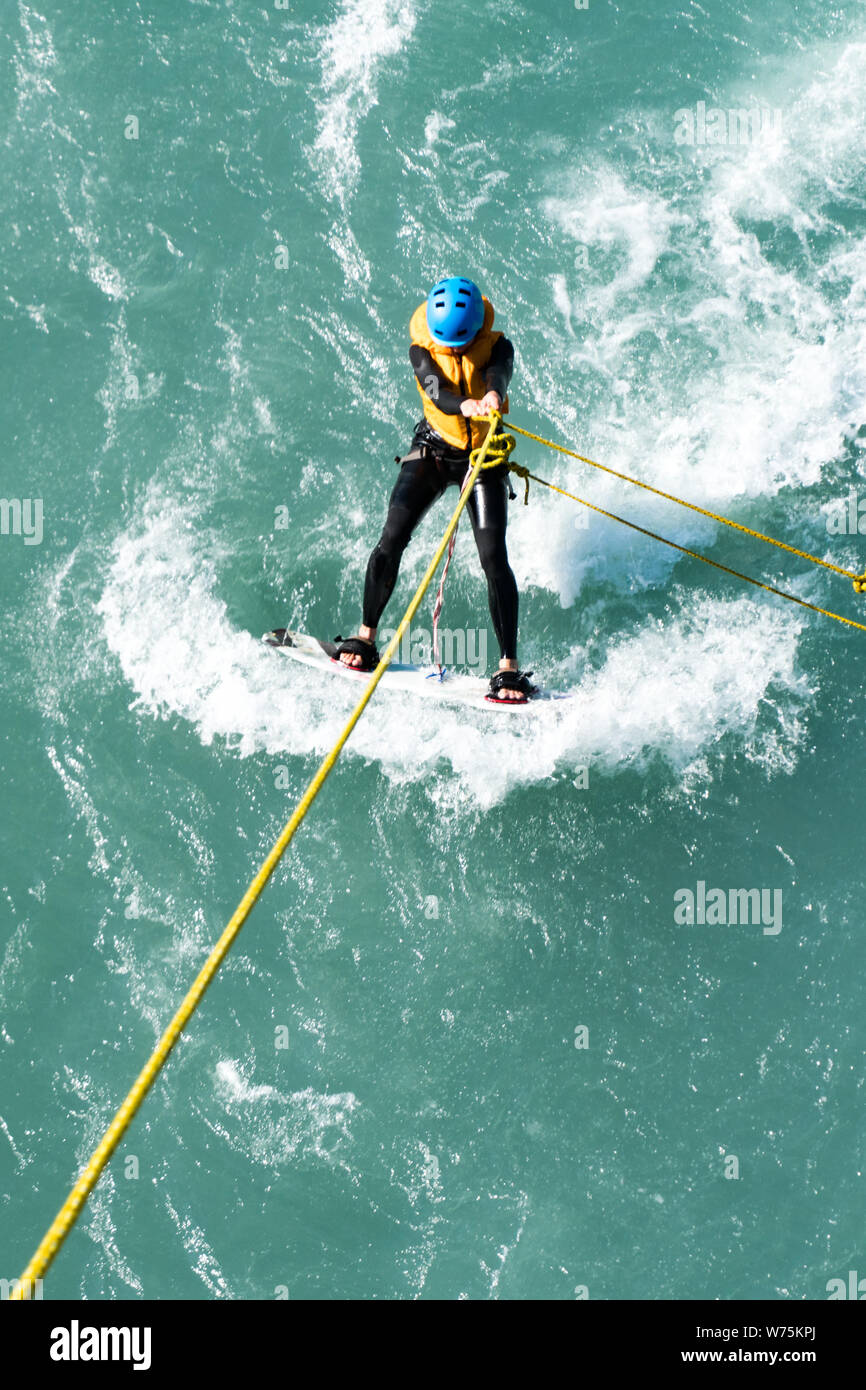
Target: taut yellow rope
859	580
496	445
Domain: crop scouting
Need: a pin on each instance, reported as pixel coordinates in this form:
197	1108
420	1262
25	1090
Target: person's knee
395	534
382	567
492	554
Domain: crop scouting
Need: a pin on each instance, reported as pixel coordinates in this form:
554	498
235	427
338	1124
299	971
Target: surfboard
425	682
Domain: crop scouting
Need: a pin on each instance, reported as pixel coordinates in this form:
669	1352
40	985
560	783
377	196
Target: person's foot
352	658
514	693
365	634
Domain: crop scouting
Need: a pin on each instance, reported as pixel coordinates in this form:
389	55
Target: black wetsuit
431	465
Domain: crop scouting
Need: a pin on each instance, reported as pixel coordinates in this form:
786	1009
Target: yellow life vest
463	368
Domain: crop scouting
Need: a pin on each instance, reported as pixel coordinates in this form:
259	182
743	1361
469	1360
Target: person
462	369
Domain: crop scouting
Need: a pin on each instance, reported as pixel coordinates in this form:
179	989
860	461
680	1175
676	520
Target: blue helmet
455	311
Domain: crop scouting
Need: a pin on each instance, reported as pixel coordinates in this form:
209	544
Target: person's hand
492	401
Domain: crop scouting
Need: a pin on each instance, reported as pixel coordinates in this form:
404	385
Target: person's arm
497	373
433	383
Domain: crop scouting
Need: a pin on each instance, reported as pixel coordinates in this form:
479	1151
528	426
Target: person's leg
488	512
417	487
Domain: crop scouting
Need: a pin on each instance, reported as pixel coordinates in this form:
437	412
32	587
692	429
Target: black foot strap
356	646
511	680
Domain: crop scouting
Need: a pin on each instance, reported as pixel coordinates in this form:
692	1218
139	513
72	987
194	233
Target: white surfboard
417	680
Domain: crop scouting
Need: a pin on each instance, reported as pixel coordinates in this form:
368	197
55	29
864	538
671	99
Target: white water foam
270	1128
670	689
354	48
35	57
741	374
203	1261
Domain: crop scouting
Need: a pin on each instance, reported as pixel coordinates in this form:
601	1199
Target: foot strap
356	646
511	680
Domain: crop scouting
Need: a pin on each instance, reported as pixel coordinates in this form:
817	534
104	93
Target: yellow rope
770	588
859	580
496	445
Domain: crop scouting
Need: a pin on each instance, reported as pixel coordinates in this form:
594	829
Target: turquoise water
207	323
